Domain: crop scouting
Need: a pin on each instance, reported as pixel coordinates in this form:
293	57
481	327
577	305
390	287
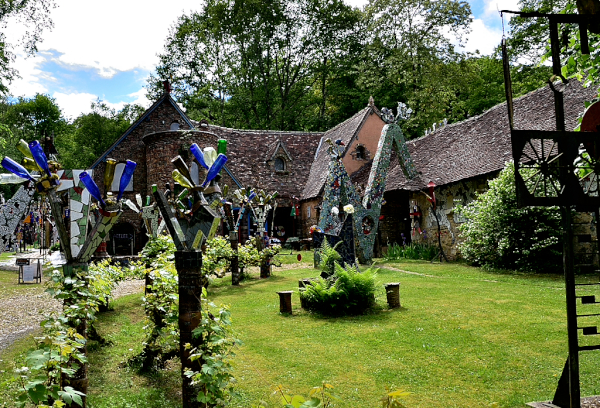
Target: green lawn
463	338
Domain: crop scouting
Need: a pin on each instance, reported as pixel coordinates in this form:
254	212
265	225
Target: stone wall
424	227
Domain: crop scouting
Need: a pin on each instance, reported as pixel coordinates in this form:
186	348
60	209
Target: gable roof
165	98
482	145
346	131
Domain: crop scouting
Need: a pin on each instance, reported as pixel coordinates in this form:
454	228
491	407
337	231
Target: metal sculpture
13	212
560	168
191	217
340	191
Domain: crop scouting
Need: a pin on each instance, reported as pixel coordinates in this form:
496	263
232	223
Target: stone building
269	160
459	158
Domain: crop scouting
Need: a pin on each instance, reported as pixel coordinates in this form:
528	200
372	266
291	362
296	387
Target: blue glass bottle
198	155
126	177
15	168
91	186
215	169
39	156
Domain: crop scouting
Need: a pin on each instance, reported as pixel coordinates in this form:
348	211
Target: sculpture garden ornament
340	191
560	168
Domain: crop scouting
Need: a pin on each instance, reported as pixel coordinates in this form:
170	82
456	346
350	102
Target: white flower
349	209
335	210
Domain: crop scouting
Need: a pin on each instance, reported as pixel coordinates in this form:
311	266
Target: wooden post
392	290
285	301
189	269
234	262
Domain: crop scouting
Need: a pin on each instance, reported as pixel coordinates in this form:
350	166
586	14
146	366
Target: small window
360	153
279	164
174	126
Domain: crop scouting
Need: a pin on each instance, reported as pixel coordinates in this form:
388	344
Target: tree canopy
310	64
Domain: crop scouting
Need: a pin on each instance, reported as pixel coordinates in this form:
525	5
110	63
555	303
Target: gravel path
21	313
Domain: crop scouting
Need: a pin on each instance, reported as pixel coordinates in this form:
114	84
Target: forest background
300	65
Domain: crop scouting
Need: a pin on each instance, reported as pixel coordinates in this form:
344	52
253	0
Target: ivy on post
191	217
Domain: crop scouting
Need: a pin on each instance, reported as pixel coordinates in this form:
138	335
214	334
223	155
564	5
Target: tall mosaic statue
341	198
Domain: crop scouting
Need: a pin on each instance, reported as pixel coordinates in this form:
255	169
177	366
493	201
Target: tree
31	14
29	119
93	133
255	64
530	39
500	235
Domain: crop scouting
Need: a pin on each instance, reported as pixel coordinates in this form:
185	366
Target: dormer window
360	153
279	164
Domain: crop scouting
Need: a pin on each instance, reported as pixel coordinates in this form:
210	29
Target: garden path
21	311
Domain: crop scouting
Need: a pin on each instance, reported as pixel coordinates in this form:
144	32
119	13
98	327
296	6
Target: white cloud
74	104
112	35
140	98
28	84
482	38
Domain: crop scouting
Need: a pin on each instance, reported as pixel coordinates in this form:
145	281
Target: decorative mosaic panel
12	212
105	220
340	191
79	207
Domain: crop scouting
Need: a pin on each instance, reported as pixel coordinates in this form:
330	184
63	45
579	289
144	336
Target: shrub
346	292
497	234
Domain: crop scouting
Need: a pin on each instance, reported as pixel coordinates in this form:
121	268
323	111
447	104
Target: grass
463	338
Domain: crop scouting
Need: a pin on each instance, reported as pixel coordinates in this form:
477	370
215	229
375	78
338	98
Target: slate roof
346	131
481	145
250	153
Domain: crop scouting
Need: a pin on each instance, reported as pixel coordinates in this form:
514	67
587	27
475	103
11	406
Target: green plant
497	234
414	250
391	399
214	343
346	292
59	356
326	257
318	397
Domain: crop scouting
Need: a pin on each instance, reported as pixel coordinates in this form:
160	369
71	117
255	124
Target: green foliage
500	235
347	292
327	256
215	342
256	64
93	133
60	351
414	250
392	399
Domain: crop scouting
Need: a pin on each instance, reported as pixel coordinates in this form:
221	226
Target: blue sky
107	49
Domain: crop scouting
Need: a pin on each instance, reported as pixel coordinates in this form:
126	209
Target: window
279	164
174	126
360	153
117	180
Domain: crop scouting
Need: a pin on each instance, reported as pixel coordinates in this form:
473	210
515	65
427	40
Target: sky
107	49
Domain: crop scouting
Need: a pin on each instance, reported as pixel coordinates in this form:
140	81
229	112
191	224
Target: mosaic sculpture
13	212
340	191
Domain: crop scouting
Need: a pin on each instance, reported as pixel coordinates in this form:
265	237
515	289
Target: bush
346	292
497	234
